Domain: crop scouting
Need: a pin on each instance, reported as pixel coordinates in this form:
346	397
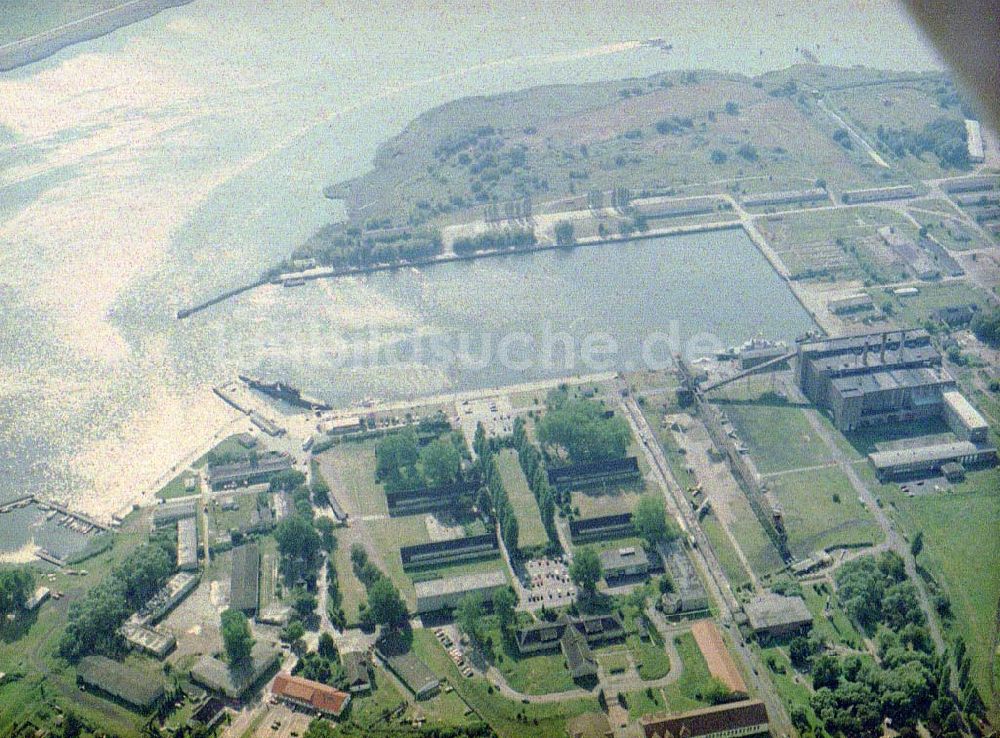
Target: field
676	132
778	435
724	551
962	551
821	510
538	674
915	309
507	717
349	469
807	242
531	532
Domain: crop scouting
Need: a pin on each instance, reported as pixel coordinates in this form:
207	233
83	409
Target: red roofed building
310	695
746	718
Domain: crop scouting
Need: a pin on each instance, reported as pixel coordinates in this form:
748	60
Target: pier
333	273
76	521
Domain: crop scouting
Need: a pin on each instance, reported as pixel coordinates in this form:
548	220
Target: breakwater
333	273
34	48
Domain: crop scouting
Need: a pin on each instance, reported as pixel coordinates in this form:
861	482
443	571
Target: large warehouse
445	594
874	378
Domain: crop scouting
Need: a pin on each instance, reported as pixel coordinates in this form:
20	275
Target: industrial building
963	419
746	718
874	378
445	594
773	615
907	463
619	563
789	197
187	544
168	597
244	579
134	688
593	474
851	304
357	676
469	548
169	513
916	259
601	528
877	194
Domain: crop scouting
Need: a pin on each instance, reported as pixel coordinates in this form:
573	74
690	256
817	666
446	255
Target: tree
510	530
650	518
986	326
304	603
469	615
800	651
15	588
298	541
441	462
327	648
293	632
236	636
324	526
583	429
504	604
385	603
825	671
321	491
718	157
586	569
564	233
396	457
732	108
917	544
72	726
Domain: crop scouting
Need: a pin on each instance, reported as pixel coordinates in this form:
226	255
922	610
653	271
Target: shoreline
42	45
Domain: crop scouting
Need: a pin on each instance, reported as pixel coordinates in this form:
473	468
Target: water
177	157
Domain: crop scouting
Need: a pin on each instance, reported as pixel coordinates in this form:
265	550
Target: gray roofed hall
244	580
775	613
234	682
136	688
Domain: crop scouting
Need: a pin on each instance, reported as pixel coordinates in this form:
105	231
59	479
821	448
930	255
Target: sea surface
182	155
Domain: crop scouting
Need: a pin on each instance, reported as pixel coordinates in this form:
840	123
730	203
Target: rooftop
774	611
233	682
137	688
963	409
318	696
620	558
461	583
925	454
243	590
707	721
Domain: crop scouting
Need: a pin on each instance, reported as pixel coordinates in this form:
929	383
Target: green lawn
176	487
502	714
351	589
539	674
367	709
724	551
760	552
645	702
778	435
793	689
228	445
650	658
531	532
962	551
686	692
349	468
813	519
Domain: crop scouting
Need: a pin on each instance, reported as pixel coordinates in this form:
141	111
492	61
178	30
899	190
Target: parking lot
549	583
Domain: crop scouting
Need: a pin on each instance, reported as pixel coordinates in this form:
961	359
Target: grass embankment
531	531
